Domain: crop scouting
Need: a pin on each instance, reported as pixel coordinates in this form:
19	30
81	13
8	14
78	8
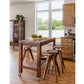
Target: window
42	6
43	24
57	4
50	19
57	27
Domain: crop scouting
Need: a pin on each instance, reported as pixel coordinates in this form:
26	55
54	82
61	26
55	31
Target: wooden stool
28	49
58	48
52	56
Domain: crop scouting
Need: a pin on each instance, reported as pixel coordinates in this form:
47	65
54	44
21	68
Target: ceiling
22	1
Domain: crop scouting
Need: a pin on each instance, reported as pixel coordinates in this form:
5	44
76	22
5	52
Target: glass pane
22	30
42	22
57	24
11	31
58	15
16	31
57	4
43	6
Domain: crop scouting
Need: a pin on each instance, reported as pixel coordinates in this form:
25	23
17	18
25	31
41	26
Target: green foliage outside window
56	25
42	27
40	22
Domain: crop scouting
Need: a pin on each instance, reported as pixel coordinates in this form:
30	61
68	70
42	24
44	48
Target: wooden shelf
17	32
33	65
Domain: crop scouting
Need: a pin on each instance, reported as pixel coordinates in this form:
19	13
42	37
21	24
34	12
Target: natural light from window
50	19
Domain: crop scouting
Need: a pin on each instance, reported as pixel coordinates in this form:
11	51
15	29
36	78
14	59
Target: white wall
28	10
69	1
69	27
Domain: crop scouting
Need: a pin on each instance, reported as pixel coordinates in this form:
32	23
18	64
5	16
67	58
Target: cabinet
68	14
17	32
67	51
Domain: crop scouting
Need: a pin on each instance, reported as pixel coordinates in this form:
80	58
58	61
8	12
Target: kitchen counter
69	37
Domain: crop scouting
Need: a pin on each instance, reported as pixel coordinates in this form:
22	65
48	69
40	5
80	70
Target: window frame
50	10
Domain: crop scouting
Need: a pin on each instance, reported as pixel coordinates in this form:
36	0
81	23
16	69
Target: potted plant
35	36
19	17
22	17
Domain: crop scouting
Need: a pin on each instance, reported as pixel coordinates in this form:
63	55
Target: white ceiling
22	1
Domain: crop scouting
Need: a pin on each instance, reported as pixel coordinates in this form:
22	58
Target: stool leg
28	57
48	59
24	53
31	53
55	67
62	60
49	63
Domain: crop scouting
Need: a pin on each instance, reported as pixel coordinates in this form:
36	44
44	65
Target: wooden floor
29	76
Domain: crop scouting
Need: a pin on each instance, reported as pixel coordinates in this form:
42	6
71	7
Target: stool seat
52	51
45	54
58	46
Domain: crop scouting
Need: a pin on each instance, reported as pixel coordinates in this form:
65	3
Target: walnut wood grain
20	57
37	44
29	77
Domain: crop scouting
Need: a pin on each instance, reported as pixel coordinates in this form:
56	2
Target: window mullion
42	11
57	9
36	25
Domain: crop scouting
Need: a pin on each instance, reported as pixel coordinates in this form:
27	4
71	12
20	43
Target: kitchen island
35	65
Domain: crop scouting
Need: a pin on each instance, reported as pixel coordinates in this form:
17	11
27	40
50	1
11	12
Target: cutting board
34	39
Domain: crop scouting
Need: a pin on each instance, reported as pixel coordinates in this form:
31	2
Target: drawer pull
66	53
66	43
66	39
66	47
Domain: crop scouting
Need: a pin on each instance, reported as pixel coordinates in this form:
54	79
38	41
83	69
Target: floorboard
29	76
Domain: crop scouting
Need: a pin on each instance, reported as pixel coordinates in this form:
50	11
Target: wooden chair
27	49
58	48
52	56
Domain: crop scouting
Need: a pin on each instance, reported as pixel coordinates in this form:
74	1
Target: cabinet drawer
67	46
68	57
70	48
66	40
67	54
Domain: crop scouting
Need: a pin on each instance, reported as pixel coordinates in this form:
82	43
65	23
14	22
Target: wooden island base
33	65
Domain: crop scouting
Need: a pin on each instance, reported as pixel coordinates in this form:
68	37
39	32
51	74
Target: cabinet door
68	14
16	31
22	30
11	31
